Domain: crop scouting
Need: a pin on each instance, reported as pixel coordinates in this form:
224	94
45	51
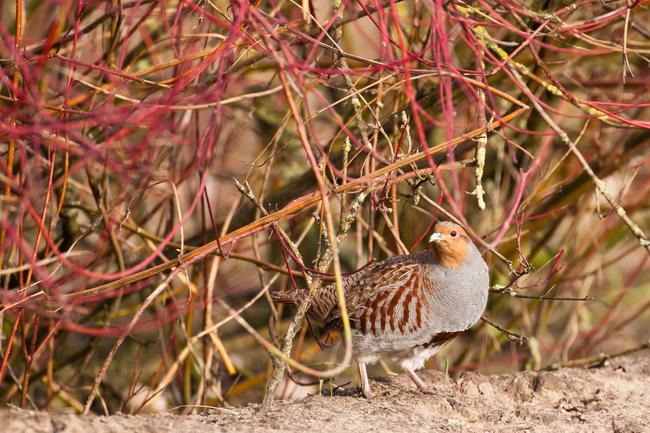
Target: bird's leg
422	385
365	383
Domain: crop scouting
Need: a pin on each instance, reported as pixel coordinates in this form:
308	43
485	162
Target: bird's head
450	241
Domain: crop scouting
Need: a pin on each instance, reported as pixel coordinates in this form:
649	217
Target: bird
407	307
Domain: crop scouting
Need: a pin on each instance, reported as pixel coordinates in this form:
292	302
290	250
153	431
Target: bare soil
614	397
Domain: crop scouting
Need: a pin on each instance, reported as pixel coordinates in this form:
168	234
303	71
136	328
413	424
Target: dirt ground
610	398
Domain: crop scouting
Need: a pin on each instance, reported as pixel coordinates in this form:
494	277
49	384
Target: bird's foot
368	393
366	390
427	389
424	387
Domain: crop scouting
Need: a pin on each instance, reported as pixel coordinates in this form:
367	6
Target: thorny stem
278	363
278	372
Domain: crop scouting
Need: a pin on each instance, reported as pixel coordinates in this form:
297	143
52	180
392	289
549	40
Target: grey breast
461	294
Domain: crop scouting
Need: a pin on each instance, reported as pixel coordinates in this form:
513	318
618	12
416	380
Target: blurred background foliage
133	268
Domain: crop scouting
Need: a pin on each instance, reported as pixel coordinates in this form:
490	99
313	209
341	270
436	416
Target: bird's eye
453	234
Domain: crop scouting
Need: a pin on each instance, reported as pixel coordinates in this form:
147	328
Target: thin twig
513	336
597	360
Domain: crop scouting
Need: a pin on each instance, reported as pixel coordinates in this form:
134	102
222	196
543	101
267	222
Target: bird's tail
291	297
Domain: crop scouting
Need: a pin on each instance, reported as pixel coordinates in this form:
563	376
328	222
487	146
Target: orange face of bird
450	242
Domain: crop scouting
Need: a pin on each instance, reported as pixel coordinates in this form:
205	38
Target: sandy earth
610	398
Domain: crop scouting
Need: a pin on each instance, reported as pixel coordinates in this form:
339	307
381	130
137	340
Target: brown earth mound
614	397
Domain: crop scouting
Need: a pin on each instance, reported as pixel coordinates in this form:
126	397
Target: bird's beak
436	237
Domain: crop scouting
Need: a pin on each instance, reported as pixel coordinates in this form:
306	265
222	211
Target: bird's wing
388	300
325	304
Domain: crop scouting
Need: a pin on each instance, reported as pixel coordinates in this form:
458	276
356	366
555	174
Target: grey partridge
406	308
